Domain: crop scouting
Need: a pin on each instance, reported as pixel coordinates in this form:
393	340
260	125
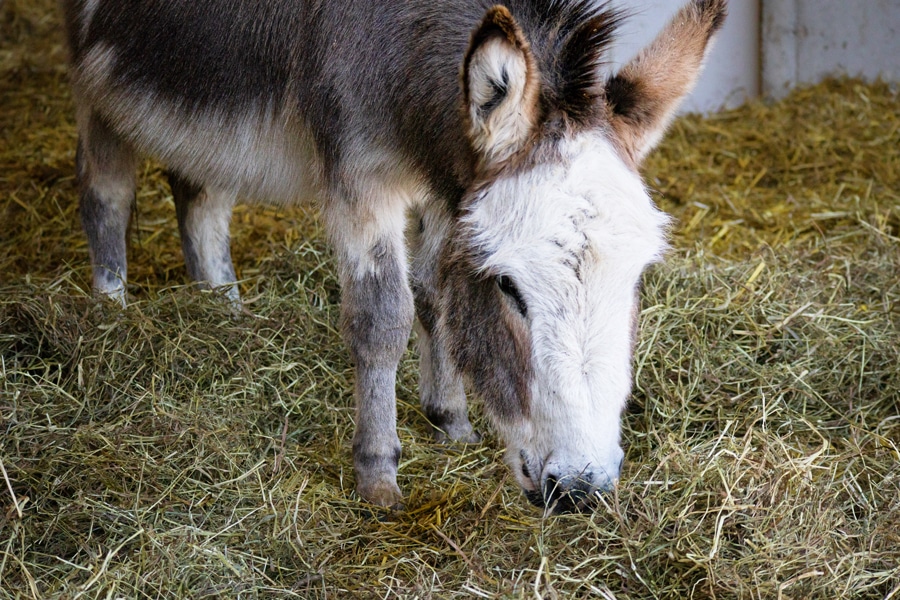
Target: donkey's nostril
552	484
564	487
569	494
552	490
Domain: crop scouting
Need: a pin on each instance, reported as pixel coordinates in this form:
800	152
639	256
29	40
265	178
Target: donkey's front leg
376	319
443	395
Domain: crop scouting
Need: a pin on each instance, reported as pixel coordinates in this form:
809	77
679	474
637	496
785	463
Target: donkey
493	128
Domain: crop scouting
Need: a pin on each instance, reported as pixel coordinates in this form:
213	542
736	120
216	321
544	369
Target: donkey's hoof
381	493
469	437
115	295
454	431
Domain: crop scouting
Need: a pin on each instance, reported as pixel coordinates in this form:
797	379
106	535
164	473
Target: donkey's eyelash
506	285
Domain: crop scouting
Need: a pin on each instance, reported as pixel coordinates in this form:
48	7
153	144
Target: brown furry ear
581	58
643	96
500	87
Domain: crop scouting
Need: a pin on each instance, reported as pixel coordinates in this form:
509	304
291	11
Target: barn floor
171	450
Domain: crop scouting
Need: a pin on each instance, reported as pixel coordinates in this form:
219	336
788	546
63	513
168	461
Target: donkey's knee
204	218
106	174
377	314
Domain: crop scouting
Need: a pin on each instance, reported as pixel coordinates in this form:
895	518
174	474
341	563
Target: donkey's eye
506	285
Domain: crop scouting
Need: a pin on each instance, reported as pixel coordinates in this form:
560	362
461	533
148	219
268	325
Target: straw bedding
172	450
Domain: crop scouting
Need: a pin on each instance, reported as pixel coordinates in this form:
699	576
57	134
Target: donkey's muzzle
561	497
575	493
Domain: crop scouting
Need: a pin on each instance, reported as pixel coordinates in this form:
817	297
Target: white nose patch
574	237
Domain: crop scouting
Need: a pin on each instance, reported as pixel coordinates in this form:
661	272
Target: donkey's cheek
492	347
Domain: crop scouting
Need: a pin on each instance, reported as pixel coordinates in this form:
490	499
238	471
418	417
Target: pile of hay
170	450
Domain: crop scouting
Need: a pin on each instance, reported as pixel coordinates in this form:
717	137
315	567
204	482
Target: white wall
732	73
806	40
769	46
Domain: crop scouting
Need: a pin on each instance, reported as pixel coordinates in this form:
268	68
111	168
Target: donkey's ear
644	95
500	87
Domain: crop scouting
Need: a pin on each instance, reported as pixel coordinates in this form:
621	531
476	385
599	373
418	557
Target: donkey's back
354	101
266	98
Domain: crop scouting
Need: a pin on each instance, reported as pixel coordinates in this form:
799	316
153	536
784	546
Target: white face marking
575	238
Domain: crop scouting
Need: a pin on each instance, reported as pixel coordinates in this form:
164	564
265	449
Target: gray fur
441	386
377	314
106	177
360	103
203	218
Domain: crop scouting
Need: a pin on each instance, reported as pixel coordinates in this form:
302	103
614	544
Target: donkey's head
539	277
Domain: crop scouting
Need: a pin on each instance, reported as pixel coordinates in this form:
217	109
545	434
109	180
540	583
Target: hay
171	450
